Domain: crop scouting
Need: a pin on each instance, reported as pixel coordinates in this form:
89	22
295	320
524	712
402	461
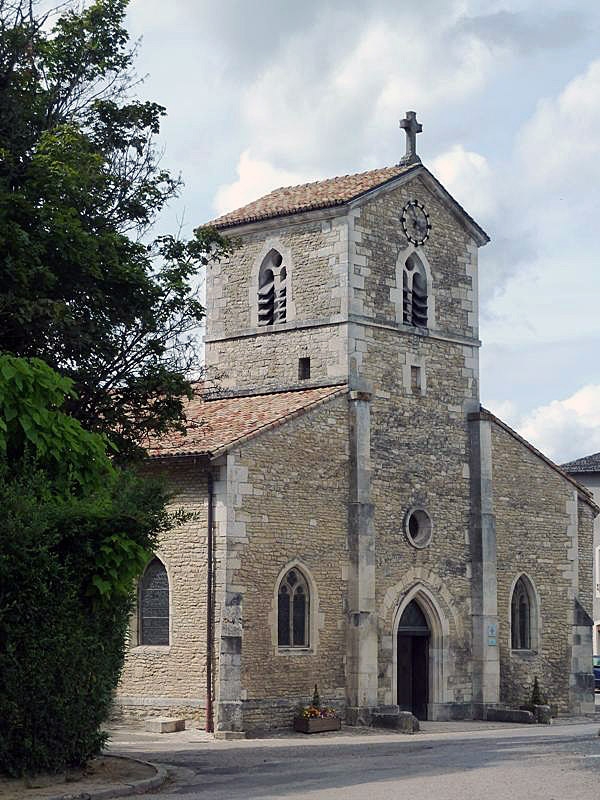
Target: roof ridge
287	200
232	394
333	178
581	463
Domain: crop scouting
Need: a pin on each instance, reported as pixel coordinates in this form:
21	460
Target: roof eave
272	221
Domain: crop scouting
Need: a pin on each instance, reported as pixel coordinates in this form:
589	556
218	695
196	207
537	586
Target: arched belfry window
414	292
522	616
293	609
154	605
272	290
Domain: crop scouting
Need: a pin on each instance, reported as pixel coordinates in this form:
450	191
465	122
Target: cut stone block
392	717
509	715
230	735
164	725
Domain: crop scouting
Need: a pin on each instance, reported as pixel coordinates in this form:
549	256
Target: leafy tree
80	186
74	532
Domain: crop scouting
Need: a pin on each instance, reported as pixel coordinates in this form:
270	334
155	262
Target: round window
418	528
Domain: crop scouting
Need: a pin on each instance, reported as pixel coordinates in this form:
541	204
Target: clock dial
415	222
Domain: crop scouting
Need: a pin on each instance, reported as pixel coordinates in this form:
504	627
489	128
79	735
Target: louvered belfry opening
414	292
272	290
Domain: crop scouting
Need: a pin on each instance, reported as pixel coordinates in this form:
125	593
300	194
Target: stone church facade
359	521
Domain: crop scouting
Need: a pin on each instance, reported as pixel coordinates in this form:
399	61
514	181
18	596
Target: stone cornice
354	319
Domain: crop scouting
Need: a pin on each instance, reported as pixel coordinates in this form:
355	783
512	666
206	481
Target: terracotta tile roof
585	464
216	425
319	194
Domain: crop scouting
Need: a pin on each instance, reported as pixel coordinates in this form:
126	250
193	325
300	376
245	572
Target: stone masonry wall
378	246
315	256
420	457
420	448
268	359
586	565
292	506
171	680
534	526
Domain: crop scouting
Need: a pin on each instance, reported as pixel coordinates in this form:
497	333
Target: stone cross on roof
411	128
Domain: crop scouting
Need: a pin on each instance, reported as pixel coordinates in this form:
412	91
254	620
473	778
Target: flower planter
317	724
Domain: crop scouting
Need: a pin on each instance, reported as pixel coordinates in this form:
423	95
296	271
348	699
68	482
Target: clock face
415	222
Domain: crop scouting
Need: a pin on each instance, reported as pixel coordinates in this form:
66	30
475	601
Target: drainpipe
210	606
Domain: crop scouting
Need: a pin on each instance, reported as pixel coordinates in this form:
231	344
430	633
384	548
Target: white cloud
336	99
563	429
545	275
256	178
560	145
468	177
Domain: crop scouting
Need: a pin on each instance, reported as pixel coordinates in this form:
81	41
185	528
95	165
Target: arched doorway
412	651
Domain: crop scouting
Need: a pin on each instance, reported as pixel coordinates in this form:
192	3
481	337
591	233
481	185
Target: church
358	521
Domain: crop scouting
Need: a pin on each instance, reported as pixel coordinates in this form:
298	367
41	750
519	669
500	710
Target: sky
267	93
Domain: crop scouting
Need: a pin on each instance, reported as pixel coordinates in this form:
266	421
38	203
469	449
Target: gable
345	192
584	494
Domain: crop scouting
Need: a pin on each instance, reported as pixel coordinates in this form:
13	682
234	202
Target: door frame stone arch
438	646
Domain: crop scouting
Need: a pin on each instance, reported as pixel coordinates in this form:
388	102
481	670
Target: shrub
62	637
74	533
537	698
316	700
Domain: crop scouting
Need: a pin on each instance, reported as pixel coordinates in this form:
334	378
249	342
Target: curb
137	787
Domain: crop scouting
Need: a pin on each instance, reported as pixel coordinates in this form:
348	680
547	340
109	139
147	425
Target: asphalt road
561	762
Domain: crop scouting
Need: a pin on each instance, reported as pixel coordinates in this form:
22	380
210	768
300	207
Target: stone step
164	725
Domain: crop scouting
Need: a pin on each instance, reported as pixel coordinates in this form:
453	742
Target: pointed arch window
153	624
414	292
523	631
272	290
293	610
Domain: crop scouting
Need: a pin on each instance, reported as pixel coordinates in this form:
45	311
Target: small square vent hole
303	369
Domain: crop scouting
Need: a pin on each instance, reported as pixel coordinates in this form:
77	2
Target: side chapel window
293	608
414	292
154	605
272	290
521	617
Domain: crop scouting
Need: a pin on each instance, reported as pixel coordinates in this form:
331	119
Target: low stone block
164	725
542	713
392	717
509	715
227	735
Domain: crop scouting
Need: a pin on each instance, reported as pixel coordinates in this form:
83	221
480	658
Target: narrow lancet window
414	292
521	616
272	290
293	609
154	605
